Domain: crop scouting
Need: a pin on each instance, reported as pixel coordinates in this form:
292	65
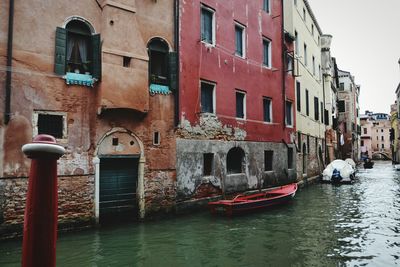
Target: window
382	138
290	157
298	96
52	123
304	14
299	140
207	25
313	65
156	138
126	62
296	42
207	97
267	52
240	105
365	130
240	40
362	142
341	86
381	130
319	72
383	145
234	160
289	63
341	106
305	55
267	104
307	103
208	159
266	6
158	61
316	108
322	112
312	29
308	144
289	114
268	160
77	50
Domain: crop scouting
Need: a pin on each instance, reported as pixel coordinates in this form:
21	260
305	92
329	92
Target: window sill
79	79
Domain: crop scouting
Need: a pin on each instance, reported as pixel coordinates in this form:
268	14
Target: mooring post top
43	146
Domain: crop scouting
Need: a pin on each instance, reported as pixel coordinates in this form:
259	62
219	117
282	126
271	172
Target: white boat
397	167
339	171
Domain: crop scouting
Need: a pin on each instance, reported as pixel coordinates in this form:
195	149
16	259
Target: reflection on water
349	225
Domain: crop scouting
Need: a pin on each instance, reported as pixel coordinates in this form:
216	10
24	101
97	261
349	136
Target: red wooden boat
241	203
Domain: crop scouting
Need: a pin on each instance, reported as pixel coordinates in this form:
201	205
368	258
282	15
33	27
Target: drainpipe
176	40
7	111
323	114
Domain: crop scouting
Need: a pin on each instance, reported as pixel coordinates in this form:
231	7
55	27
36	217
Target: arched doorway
119	164
235	160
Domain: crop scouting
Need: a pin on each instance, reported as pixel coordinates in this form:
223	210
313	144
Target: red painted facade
230	72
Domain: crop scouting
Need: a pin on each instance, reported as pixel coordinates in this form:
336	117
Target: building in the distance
349	116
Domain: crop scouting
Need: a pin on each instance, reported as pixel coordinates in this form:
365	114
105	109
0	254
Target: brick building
104	90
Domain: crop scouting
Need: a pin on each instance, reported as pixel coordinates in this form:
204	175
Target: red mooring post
40	224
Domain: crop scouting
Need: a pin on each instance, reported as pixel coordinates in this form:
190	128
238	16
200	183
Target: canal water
325	225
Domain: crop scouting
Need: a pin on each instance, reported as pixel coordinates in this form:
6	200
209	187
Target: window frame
305	55
307	102
35	122
316	108
242	27
298	96
267	6
266	100
213	33
243	93
213	96
268	160
291	124
265	41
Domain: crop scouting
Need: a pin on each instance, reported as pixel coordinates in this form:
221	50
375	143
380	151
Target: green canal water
325	225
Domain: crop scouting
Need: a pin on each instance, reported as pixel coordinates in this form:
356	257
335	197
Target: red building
236	98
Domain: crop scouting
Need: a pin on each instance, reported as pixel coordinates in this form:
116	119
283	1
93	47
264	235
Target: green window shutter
96	49
60	51
173	70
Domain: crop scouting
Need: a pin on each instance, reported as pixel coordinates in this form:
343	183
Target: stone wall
192	184
160	192
313	164
75	203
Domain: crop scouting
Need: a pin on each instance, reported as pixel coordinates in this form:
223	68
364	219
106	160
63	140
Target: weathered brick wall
159	191
75	203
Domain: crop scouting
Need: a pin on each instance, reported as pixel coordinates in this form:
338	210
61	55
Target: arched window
158	61
234	160
79	56
77	52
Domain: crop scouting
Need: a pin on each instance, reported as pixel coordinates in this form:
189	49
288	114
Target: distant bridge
385	155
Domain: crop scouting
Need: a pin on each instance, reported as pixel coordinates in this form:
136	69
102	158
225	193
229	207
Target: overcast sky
366	42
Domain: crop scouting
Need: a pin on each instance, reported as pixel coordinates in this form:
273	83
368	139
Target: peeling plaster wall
36	88
190	179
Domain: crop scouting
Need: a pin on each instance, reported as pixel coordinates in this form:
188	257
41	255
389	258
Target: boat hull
254	202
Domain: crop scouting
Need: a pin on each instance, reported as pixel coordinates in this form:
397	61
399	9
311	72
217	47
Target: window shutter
173	70
96	49
60	51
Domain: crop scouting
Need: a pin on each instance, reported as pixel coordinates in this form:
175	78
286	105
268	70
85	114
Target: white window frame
214	102
269	6
243	27
270	111
244	104
213	35
291	114
269	66
35	120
